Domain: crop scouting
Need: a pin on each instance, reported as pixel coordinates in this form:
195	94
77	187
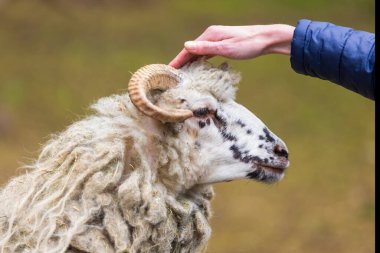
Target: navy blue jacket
339	54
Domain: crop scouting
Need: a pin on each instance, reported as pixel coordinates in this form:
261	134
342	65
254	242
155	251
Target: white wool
219	82
81	192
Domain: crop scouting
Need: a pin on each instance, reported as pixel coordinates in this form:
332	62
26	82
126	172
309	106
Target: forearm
335	53
278	39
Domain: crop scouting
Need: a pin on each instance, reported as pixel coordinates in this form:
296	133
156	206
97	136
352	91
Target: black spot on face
268	136
236	152
261	146
246	159
221	123
249	131
261	137
257	159
201	124
240	123
243	155
220	120
228	136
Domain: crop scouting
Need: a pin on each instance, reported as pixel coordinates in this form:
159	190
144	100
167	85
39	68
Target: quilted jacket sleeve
335	53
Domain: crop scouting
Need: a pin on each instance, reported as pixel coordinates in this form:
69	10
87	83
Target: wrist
279	38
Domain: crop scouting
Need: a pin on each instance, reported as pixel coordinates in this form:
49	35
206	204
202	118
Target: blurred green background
59	56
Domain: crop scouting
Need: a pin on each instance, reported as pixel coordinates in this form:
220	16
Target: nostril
280	151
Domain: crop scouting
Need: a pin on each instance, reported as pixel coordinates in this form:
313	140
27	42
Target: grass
57	57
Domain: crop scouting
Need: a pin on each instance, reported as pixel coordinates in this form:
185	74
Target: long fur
81	194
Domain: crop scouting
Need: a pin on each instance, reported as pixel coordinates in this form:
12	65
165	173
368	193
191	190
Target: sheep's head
228	141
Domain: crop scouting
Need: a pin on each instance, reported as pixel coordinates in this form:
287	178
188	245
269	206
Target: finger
196	57
212	33
208	48
183	57
215	33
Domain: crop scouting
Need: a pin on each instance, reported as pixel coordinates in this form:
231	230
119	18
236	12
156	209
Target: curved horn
150	77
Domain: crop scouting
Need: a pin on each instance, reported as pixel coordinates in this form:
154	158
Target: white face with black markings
232	143
228	140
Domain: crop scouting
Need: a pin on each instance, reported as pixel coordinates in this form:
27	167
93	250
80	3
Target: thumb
206	47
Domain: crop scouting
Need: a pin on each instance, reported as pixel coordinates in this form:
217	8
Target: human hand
237	42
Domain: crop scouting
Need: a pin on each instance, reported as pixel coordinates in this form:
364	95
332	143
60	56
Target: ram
136	175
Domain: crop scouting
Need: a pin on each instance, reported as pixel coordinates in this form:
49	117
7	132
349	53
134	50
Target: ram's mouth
268	173
271	168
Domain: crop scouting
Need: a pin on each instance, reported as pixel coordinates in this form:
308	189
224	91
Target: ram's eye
201	112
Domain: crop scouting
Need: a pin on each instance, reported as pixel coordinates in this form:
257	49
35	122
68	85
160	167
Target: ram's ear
224	66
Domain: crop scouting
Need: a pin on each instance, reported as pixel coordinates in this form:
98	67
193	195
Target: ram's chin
266	174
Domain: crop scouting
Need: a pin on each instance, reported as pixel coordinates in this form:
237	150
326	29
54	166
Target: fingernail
190	44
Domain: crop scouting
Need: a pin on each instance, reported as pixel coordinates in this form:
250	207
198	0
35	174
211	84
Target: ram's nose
281	151
281	154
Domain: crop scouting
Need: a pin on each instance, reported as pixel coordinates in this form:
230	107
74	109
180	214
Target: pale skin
237	42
